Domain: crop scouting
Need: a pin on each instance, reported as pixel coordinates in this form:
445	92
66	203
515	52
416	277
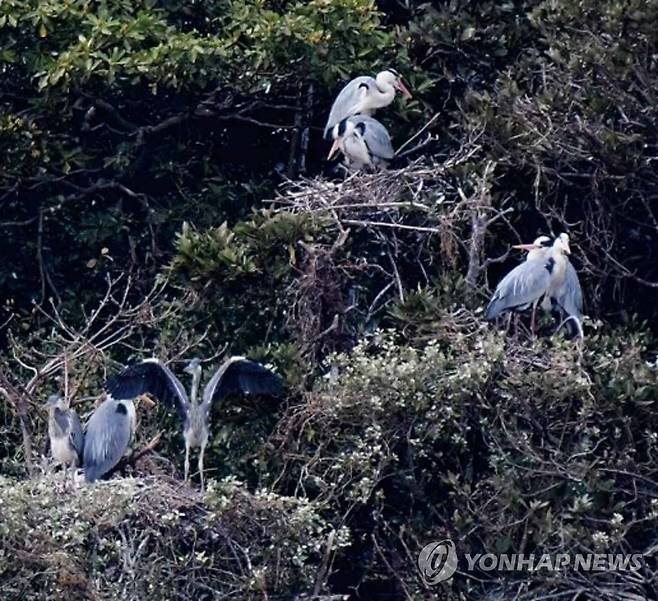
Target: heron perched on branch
235	375
364	141
540	277
109	432
363	95
64	432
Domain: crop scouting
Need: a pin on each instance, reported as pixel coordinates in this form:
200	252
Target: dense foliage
163	191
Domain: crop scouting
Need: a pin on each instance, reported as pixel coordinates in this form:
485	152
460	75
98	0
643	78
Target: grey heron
531	281
538	249
65	433
364	141
363	95
109	432
235	375
567	298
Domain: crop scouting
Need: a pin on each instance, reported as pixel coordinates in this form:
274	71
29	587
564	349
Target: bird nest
421	187
153	538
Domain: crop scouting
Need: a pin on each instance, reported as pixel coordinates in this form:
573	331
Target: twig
401	226
149	447
324	567
417	134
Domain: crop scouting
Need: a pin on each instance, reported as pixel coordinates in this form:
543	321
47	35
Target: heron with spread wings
237	375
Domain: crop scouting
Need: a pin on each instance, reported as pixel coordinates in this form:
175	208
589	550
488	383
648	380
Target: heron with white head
364	142
531	281
237	375
566	297
538	248
65	433
364	95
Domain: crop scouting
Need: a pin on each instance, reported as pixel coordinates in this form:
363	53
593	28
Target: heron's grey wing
62	421
376	137
345	101
153	377
76	436
108	434
570	293
240	375
525	284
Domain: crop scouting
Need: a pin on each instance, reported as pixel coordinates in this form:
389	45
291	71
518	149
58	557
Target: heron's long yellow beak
527	247
405	91
334	149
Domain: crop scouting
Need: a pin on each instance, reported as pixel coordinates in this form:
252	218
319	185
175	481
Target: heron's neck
196	380
559	269
53	426
383	94
357	150
560	260
536	253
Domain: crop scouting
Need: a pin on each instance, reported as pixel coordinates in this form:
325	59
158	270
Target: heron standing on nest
65	433
364	95
109	432
236	375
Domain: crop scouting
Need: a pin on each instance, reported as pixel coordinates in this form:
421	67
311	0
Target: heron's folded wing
76	436
153	377
347	98
376	137
240	375
62	419
570	294
107	438
525	284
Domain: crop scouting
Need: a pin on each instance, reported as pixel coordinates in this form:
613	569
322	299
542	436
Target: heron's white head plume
543	241
540	243
540	246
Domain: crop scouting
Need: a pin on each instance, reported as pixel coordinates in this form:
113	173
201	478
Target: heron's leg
508	323
515	326
532	318
203	448
187	460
